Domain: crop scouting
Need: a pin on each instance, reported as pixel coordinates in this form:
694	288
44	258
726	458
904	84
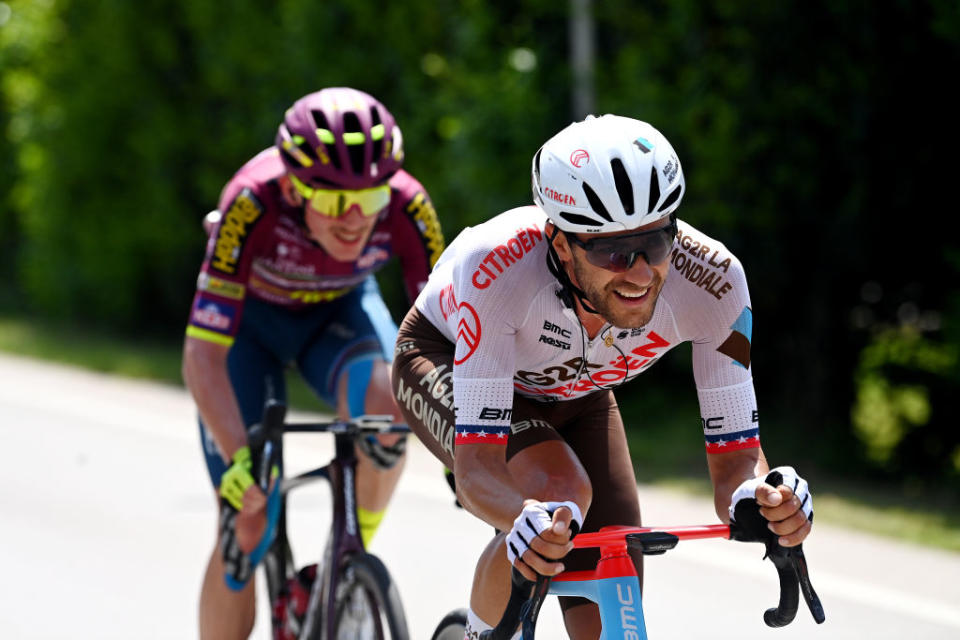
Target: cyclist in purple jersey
287	279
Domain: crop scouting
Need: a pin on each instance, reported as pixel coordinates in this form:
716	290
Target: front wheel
368	604
452	627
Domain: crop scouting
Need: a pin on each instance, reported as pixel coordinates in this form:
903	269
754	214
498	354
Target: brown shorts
591	426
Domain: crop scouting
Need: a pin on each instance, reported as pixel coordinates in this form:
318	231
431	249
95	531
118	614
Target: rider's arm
485	487
494	490
417	238
216	313
729	470
206	377
483	317
728	406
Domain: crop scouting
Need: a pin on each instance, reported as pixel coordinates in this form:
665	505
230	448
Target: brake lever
806	587
531	608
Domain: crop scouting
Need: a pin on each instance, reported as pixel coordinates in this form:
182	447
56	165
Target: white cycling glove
536	518
748	490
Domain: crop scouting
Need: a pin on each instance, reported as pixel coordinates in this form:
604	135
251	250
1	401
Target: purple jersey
261	248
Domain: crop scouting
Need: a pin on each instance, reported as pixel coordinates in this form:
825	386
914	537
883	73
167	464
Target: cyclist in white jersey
506	364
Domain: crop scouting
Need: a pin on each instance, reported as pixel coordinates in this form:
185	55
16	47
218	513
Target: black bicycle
349	594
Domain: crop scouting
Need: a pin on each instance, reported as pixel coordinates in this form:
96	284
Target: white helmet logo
579	158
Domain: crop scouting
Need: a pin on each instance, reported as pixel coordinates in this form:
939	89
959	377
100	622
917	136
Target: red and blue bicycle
615	587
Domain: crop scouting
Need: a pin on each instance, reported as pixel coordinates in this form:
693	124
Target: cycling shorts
323	341
591	425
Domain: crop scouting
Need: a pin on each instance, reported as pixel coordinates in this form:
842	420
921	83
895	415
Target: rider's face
626	299
343	237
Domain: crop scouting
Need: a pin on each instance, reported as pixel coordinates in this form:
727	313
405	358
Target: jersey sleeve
417	236
484	356
722	370
221	286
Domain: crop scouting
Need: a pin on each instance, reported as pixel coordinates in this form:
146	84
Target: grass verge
124	356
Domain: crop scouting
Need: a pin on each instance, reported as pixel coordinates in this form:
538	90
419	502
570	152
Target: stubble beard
605	302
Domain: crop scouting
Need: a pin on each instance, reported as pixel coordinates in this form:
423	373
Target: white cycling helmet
607	174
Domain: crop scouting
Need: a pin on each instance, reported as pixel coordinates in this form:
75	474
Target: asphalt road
107	518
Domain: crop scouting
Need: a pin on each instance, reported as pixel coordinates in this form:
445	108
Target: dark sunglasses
620	253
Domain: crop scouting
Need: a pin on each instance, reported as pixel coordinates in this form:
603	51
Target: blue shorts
323	341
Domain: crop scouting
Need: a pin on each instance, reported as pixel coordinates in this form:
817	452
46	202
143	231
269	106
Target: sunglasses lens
657	252
330	203
334	203
619	255
612	261
372	201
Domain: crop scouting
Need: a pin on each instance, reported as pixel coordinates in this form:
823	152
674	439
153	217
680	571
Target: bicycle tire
452	627
367	605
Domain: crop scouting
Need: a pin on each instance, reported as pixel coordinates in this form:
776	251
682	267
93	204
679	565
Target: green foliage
900	375
127	119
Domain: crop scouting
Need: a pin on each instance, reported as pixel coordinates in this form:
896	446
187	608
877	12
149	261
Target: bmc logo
715	422
492	413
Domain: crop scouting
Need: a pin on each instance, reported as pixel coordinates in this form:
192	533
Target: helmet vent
654	190
307	149
577	219
289	159
351	124
674	195
624	188
319	119
378	143
595	203
322	123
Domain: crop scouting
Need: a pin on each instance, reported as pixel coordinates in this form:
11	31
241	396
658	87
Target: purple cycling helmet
340	138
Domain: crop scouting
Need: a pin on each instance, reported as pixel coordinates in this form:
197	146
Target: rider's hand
252	519
238	488
541	535
237	479
248	518
787	508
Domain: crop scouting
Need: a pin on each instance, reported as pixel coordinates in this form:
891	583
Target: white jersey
492	295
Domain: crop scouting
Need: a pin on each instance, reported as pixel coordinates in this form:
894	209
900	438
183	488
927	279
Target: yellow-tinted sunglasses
335	202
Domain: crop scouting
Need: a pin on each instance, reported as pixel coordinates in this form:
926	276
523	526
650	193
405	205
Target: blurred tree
813	142
140	114
22	43
904	386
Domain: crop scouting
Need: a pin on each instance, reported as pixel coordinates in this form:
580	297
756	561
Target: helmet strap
567	289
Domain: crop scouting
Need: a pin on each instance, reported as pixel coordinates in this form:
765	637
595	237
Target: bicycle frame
615	587
344	533
614	584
